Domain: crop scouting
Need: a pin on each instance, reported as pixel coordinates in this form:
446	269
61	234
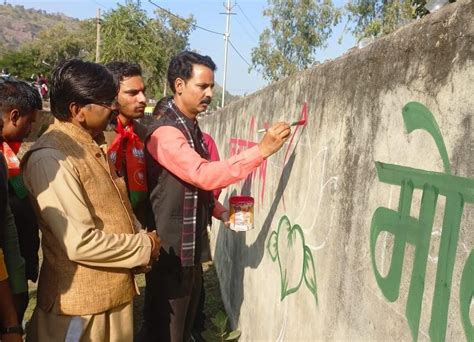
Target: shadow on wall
233	252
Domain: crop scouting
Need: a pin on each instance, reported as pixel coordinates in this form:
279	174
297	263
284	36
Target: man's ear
77	111
14	116
179	84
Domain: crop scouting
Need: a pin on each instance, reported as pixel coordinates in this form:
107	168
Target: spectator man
19	104
126	150
180	183
89	239
10	329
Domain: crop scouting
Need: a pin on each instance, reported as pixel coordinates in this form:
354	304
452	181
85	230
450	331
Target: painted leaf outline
272	245
233	335
290	234
309	272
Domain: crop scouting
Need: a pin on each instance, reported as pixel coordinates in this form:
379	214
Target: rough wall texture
326	260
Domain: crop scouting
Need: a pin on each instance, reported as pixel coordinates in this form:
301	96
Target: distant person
4	74
89	241
158	110
126	149
19	104
42	84
180	181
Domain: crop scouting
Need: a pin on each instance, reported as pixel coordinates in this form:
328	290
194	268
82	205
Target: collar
78	133
190	123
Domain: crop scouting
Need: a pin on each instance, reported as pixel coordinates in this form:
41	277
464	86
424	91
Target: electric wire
238	53
186	21
246	31
99	4
245	15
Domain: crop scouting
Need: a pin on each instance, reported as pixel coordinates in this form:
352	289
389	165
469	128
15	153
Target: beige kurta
53	181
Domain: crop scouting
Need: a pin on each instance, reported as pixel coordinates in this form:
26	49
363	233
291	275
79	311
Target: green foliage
57	43
379	17
50	47
130	35
298	29
22	64
220	329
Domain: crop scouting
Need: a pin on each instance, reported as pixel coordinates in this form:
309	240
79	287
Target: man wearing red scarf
19	104
126	149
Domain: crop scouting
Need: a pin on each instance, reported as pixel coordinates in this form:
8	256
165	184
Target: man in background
10	327
19	105
126	149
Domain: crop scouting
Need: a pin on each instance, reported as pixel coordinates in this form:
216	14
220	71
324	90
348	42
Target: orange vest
66	287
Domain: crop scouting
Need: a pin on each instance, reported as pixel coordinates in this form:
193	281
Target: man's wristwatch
17	329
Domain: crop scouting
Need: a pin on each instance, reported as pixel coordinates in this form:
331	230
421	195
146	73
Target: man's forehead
200	68
132	83
202	73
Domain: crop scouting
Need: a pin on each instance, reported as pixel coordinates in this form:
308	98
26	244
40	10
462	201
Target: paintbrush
296	123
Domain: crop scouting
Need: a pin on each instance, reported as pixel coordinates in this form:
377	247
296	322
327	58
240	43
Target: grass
212	305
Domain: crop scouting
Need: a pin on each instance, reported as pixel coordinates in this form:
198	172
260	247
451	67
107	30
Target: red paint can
241	213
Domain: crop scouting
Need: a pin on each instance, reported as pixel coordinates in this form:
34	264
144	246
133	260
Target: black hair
19	95
161	106
181	66
124	69
81	82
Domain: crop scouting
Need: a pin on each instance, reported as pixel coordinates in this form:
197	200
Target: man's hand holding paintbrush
274	138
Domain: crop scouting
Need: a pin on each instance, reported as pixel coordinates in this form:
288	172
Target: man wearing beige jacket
89	241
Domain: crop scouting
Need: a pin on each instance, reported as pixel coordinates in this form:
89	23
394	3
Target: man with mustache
126	150
180	183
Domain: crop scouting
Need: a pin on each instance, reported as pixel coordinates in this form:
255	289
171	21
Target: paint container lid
241	199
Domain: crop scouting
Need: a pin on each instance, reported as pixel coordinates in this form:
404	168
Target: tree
22	64
380	17
298	29
130	35
174	33
57	44
48	48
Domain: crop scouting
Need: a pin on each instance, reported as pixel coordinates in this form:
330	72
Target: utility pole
97	41
226	47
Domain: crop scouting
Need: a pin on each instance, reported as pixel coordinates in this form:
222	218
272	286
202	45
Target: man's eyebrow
134	90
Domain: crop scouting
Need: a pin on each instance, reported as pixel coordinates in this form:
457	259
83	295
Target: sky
245	28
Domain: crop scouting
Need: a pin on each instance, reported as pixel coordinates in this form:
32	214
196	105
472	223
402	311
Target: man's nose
209	92
142	97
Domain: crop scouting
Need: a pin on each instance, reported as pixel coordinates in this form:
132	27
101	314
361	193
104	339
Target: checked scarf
15	181
129	142
188	234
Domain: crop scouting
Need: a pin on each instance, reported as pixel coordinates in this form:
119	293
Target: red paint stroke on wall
239	145
303	116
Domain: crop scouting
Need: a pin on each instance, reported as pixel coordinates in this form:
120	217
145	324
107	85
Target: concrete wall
325	260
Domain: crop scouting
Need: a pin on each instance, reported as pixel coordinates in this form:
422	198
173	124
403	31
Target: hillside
19	25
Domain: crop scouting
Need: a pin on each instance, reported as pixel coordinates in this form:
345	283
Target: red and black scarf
127	144
15	181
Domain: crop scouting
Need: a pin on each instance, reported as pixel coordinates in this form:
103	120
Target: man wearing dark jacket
180	183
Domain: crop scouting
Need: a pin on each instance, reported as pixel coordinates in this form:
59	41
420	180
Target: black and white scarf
188	234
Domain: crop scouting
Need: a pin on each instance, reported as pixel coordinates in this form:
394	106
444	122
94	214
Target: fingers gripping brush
296	123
